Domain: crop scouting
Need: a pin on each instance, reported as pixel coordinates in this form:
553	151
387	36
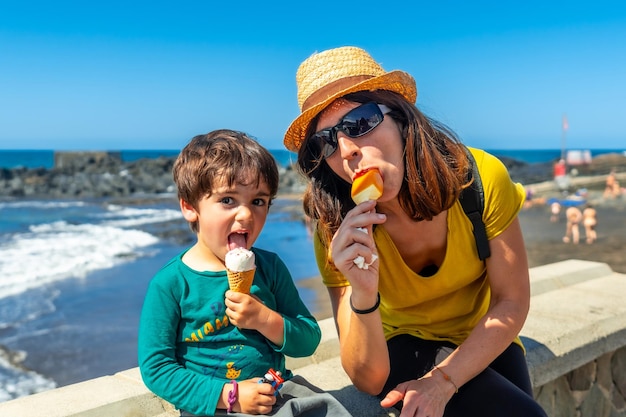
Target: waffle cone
240	281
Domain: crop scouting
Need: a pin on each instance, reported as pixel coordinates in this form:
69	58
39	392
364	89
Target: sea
73	273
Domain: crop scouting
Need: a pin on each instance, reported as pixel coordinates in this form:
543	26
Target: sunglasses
356	123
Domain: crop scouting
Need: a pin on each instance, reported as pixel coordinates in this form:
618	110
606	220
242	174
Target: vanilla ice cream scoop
240	269
239	260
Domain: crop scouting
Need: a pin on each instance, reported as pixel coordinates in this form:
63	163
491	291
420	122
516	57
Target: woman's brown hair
435	167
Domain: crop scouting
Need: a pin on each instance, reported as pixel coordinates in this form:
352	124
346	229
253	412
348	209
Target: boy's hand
245	311
248	312
252	397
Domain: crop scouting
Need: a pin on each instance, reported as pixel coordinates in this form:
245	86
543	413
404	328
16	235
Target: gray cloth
299	398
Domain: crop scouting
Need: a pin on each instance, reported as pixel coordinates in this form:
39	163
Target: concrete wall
596	389
575	338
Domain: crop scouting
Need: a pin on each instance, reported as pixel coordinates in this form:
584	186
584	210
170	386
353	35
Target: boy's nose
243	212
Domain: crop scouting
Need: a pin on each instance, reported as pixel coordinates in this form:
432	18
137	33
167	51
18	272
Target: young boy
202	346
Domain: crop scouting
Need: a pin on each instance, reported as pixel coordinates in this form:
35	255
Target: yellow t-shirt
448	304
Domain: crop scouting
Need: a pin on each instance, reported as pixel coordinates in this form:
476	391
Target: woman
427	326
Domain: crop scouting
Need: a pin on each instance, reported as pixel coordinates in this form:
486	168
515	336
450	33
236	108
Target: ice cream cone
241	281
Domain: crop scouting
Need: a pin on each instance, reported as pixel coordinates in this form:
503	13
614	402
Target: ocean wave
59	250
17	381
40	204
121	216
20	309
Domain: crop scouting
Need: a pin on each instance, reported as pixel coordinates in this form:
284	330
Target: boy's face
231	217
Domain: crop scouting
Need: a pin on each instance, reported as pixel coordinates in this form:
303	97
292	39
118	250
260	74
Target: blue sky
150	75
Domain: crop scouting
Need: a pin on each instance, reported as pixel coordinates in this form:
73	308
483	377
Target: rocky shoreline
104	174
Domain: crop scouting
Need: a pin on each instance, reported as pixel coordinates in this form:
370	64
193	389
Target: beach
544	244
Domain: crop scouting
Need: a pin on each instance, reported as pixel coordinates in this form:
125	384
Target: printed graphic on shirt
208	329
232	372
218	341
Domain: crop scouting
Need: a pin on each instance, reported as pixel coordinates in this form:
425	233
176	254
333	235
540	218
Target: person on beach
573	217
612	188
428	327
555	211
560	175
528	202
590	221
203	347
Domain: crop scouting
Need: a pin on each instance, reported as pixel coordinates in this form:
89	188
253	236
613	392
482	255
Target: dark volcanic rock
89	174
104	174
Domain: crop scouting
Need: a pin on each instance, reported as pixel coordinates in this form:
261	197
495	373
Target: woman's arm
363	347
510	299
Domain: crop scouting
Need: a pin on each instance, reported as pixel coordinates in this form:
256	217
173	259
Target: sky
79	75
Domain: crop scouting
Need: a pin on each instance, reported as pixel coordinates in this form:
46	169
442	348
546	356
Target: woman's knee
490	394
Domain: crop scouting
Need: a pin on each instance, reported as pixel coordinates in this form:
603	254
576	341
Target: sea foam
62	249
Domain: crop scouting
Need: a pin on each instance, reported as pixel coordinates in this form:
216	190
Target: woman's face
382	148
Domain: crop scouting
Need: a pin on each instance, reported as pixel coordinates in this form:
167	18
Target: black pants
503	389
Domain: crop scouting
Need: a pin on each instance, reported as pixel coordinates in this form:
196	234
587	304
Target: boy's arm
162	374
301	333
283	319
249	312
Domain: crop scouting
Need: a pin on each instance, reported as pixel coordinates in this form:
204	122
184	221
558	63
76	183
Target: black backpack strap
472	200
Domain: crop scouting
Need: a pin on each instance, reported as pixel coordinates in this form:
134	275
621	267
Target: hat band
330	89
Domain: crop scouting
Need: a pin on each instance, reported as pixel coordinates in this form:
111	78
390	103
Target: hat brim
397	81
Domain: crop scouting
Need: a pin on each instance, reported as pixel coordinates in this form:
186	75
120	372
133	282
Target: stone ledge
574	325
327	349
565	273
577	315
122	394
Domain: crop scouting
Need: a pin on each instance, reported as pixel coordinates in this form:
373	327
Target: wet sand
544	239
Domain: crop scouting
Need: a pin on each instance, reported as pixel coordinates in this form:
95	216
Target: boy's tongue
237	240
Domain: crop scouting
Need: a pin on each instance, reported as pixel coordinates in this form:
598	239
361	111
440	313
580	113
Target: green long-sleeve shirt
188	349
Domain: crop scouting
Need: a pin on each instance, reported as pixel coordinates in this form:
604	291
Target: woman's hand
424	397
252	397
355	238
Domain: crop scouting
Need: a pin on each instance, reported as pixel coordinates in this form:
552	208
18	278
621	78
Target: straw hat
328	75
